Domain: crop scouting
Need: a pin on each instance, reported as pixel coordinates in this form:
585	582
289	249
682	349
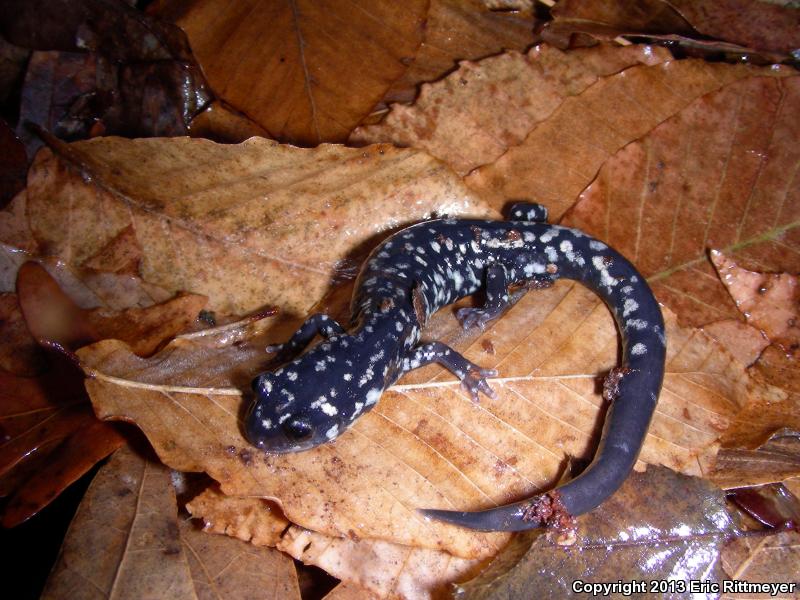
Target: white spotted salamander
415	272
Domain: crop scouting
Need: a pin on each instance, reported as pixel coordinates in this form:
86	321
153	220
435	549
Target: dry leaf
425	444
222	567
562	155
769	302
348	591
248	519
19	353
475	114
13	164
776	460
379	568
717	174
307	72
124	541
459	30
221	123
769	559
659	526
247	225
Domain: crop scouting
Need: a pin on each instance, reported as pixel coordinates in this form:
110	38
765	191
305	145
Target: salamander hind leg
315	324
527	211
497	300
472	376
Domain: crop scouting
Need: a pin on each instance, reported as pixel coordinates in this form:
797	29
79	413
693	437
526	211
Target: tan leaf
223	567
740	339
775	461
562	155
460	30
124	541
221	123
380	568
19	353
247	225
348	591
426	444
717	174
248	519
768	559
770	302
386	570
306	71
478	112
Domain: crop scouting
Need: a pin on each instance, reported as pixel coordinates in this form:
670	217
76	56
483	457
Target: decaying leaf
659	527
774	461
770	302
247	225
769	559
222	567
744	341
460	30
562	155
221	123
717	174
348	591
476	113
19	353
426	444
124	540
307	72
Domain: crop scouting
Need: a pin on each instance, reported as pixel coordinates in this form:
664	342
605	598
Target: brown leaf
460	30
740	339
13	164
248	225
660	526
776	460
562	155
307	72
52	316
716	174
124	541
19	353
425	444
222	567
221	123
348	591
478	112
770	302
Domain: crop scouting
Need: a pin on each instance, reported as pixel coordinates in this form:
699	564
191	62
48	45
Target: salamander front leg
496	300
473	377
315	324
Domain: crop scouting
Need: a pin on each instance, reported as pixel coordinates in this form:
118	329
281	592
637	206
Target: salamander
319	393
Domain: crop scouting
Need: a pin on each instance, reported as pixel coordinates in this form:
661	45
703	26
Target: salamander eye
298	429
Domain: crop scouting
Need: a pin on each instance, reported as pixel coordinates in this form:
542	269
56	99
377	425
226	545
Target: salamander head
308	402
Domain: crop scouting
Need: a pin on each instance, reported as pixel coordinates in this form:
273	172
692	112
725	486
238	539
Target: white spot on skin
283	418
638	349
332	432
597	246
347	376
266	424
435	247
629	306
373	396
319	365
551	254
636	324
359	406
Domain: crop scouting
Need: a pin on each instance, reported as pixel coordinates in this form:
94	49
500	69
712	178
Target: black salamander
318	394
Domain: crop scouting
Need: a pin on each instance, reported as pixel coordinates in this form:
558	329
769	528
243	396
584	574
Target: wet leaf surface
660	526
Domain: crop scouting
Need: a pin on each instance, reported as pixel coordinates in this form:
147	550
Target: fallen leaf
475	114
770	505
247	225
222	567
425	444
19	353
660	527
563	154
716	174
247	519
765	558
221	123
307	72
348	591
13	164
740	339
769	302
460	30
774	461
110	69
52	316
124	541
381	568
